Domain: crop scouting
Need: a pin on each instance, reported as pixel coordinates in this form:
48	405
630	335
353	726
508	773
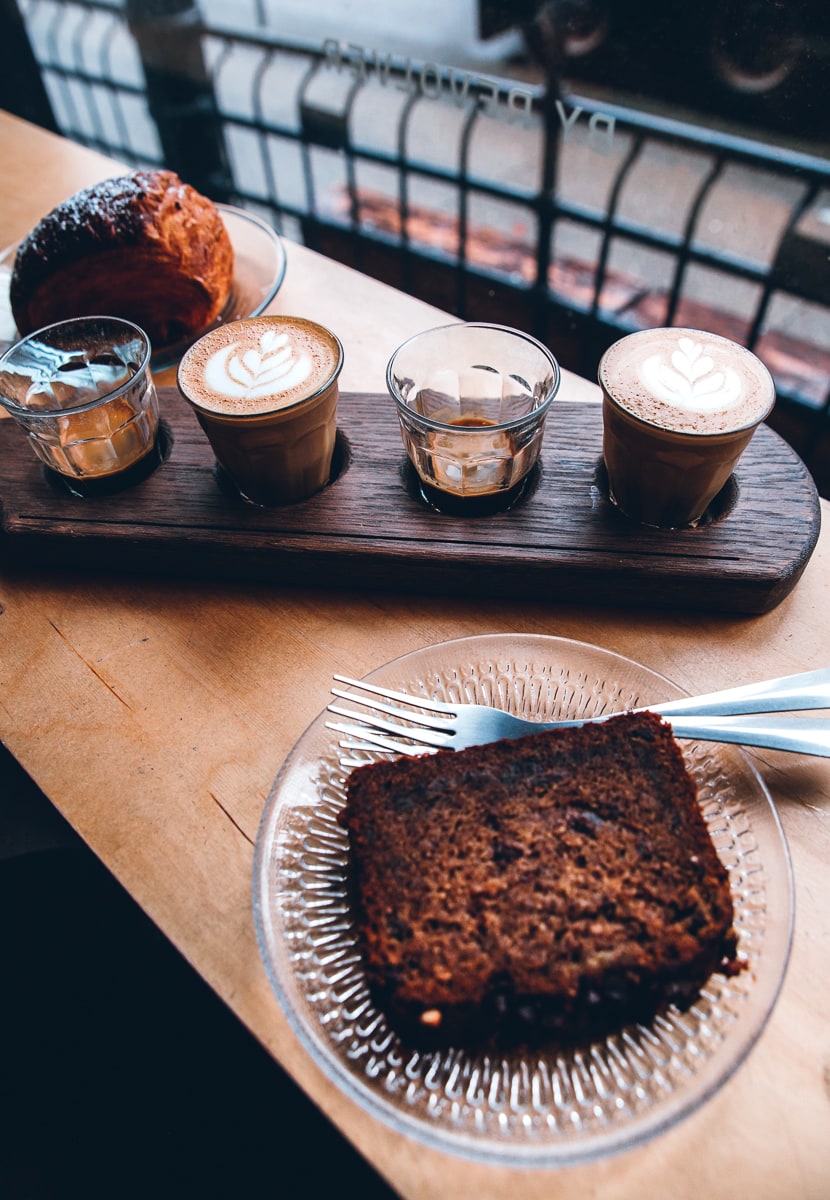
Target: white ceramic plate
259	269
544	1109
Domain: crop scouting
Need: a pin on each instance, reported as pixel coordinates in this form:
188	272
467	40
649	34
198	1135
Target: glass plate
528	1110
258	272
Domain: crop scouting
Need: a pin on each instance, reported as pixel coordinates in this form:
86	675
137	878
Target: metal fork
428	725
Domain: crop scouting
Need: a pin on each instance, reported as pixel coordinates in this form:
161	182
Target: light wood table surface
156	715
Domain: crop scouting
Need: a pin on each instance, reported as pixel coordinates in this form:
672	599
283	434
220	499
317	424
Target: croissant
144	246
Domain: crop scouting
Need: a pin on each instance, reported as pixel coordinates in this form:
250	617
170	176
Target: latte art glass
680	406
265	392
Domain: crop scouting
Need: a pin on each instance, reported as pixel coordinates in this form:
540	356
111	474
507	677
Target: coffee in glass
472	399
265	391
83	392
680	406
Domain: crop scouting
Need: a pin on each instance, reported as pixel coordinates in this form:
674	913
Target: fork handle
791	693
802	735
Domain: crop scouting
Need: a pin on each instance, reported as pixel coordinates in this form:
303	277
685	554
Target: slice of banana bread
547	888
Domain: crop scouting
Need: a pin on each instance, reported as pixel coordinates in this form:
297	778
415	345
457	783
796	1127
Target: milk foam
276	367
691	379
687	380
259	365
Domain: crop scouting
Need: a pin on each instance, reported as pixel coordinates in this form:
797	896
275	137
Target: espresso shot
265	392
83	393
680	406
472	400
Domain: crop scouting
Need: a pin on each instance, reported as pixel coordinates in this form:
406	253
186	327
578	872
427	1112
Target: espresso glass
83	393
472	399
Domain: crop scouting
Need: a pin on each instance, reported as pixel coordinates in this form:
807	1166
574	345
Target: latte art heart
260	365
254	374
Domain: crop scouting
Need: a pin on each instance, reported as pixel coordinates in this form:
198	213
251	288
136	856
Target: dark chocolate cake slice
551	887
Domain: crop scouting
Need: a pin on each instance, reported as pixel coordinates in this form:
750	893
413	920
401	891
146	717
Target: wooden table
156	715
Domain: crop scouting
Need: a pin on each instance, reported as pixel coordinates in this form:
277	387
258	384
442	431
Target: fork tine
426	736
403	697
361	762
390	709
365	739
351	762
368	724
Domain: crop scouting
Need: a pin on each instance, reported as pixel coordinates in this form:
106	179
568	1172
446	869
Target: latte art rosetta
254	374
691	380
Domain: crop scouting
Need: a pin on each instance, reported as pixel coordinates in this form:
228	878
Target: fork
724	716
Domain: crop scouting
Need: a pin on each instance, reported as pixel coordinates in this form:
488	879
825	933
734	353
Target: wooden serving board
563	541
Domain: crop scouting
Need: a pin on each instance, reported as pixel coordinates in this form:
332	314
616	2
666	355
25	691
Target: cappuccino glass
680	406
472	401
265	392
83	392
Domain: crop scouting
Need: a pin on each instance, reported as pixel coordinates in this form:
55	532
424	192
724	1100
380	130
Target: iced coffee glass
472	401
680	406
83	392
265	391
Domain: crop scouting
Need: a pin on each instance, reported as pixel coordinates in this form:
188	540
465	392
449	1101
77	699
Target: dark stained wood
563	541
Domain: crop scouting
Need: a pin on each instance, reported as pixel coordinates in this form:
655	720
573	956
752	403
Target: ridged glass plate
258	272
565	1106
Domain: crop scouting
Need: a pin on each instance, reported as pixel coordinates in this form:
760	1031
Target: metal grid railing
574	219
93	75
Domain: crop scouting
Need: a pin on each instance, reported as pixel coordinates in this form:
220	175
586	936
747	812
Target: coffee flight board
562	541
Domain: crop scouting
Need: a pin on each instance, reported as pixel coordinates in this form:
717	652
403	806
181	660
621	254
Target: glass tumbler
83	392
472	399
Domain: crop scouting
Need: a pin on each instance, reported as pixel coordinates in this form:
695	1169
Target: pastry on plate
143	246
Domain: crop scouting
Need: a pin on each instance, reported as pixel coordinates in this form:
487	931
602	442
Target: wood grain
370	528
